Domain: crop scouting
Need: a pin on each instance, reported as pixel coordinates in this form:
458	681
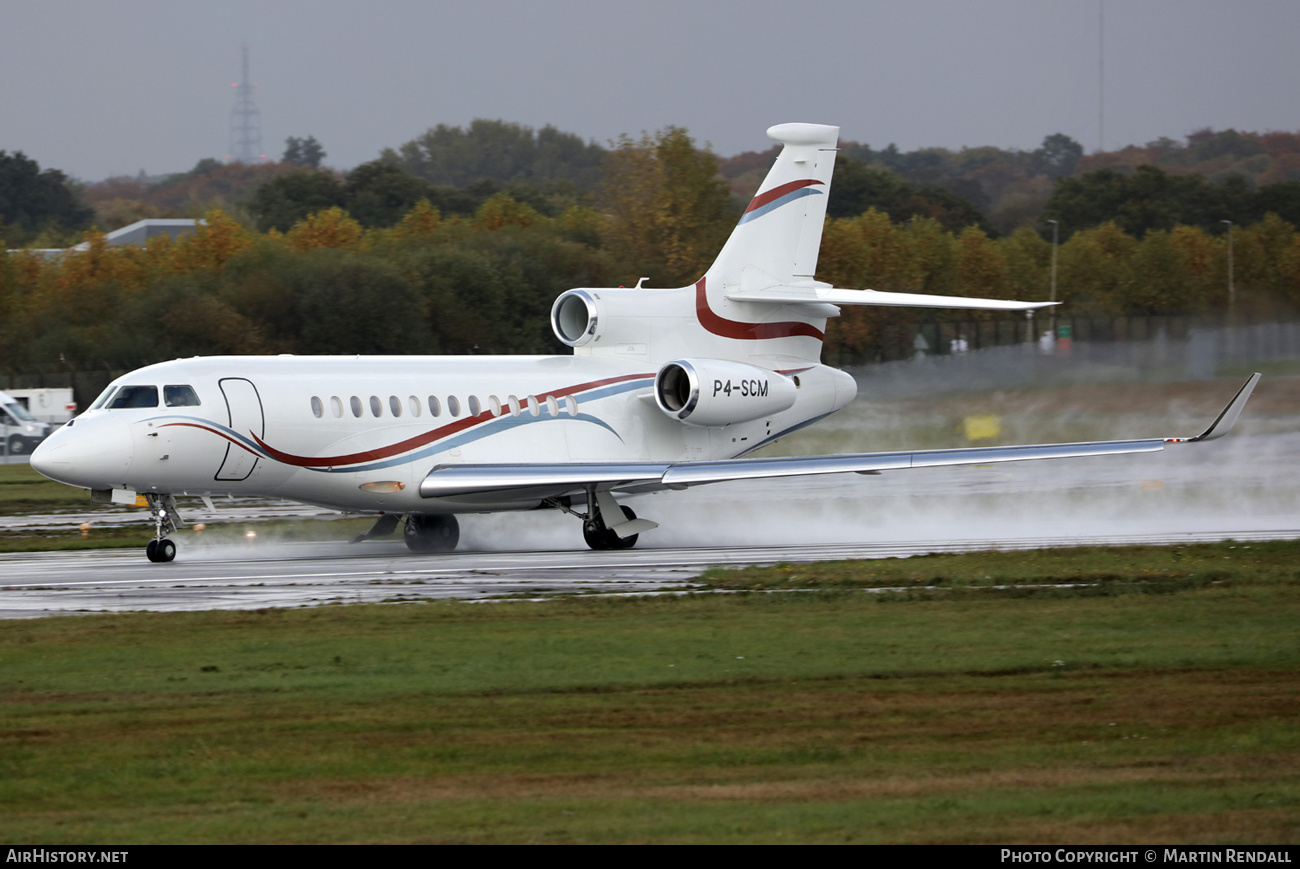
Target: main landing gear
162	508
599	537
424	533
597	530
431	533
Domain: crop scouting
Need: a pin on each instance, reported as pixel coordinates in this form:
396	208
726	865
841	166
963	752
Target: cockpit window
181	396
135	396
103	397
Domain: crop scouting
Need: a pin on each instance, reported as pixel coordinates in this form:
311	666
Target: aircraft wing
525	482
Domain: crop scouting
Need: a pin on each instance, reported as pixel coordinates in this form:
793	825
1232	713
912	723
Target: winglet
1225	421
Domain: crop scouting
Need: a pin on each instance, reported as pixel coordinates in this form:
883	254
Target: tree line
1211	178
381	263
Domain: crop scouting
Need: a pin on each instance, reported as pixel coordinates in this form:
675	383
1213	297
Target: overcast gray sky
108	87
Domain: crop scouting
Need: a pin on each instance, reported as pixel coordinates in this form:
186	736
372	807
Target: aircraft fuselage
360	433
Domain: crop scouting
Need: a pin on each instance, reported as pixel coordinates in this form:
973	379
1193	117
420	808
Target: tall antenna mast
1101	77
245	122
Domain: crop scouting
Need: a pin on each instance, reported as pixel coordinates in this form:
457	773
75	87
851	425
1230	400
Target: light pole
1056	236
1231	289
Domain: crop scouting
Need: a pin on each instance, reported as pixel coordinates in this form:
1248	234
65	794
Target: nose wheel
161	550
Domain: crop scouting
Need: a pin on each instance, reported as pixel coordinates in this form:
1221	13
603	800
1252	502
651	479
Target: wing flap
543	481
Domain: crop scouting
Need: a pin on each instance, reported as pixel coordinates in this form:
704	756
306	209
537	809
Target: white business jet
665	389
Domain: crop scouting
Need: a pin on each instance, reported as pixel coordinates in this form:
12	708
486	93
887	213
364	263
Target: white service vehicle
52	404
19	431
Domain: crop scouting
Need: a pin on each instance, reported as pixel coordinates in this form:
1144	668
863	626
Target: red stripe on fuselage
777	192
421	439
725	328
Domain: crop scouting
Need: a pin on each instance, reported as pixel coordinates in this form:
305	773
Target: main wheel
425	533
625	542
599	537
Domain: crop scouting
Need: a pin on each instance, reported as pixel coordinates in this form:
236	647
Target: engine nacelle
716	392
575	317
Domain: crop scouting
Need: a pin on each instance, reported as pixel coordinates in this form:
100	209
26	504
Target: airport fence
1006	350
1197	352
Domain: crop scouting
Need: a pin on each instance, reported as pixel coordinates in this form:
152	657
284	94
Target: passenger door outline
246	417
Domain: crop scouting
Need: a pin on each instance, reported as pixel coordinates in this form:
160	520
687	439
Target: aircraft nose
93	453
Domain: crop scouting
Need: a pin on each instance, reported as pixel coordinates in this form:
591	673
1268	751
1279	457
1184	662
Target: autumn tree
284	201
378	193
980	268
1092	268
499	151
331	228
32	200
303	153
669	211
1058	156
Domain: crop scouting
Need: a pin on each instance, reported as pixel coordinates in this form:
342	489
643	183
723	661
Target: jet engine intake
574	317
716	392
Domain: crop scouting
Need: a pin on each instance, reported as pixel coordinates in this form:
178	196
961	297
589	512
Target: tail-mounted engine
716	392
575	318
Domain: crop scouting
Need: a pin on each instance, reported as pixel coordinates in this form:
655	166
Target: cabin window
435	409
135	396
495	404
514	405
552	406
317	409
414	404
182	396
336	405
453	405
474	406
376	406
356	406
395	405
533	407
570	405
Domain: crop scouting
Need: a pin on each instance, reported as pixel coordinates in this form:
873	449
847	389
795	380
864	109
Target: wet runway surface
1244	487
302	574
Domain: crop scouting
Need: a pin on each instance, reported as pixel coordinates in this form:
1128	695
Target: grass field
1158	702
1129	695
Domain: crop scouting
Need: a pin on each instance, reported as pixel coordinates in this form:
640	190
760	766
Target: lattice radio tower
245	122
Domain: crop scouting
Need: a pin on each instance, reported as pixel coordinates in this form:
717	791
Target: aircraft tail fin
771	256
780	233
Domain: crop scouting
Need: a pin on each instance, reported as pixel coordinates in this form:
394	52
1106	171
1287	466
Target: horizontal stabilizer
817	295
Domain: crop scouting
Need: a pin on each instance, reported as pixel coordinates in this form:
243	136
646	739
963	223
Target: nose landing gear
162	508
